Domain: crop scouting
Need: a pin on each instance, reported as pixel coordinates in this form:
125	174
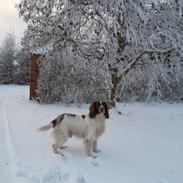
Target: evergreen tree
7	60
22	67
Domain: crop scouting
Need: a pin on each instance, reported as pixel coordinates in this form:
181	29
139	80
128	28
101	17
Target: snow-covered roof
42	50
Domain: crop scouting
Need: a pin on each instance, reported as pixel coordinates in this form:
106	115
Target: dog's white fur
87	128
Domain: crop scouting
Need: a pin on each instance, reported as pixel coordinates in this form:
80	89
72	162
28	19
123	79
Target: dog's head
98	108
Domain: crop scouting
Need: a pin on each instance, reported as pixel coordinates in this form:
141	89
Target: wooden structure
34	61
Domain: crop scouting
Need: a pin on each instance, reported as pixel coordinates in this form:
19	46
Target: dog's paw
95	162
55	149
63	147
97	151
65	155
93	155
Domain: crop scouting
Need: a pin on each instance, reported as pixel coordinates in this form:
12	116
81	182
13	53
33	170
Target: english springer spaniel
89	127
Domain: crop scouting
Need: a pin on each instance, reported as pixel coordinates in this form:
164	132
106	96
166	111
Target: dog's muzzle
101	109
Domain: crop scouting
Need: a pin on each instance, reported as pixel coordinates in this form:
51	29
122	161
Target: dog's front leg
89	147
95	149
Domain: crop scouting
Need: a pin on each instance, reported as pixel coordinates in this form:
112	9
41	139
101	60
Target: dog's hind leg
59	144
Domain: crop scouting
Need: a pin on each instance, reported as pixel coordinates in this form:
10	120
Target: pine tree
22	67
7	60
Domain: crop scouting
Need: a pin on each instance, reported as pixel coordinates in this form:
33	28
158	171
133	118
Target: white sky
9	20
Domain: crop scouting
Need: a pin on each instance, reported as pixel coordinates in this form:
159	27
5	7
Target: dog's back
75	124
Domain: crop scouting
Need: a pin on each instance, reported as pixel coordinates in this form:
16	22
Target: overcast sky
9	20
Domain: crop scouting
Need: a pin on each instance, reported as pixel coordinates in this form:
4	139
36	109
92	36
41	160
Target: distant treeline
13	62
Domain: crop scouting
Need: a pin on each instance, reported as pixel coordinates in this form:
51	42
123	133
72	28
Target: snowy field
142	145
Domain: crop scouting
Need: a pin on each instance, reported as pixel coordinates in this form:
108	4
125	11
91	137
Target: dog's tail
45	127
48	126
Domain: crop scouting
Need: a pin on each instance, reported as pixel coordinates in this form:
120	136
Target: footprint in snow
65	155
28	173
94	161
24	171
81	178
33	180
57	175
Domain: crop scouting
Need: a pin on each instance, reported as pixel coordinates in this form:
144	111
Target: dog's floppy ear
93	110
106	114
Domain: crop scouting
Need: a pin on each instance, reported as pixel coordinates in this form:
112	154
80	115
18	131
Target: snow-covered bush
61	78
143	84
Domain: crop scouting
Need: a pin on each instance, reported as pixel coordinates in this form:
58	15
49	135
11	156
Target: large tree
123	36
157	73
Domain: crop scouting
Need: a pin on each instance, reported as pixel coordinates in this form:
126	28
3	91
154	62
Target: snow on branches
122	41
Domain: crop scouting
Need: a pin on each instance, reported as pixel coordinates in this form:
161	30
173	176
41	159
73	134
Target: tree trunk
115	79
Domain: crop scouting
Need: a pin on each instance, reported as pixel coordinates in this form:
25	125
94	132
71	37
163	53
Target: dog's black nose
102	109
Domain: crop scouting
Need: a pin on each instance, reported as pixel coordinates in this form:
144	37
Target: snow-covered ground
142	145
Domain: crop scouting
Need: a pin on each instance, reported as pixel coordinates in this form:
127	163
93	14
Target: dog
88	127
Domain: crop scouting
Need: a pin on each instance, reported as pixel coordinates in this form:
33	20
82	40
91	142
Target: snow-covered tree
156	74
70	35
63	78
124	37
7	59
22	67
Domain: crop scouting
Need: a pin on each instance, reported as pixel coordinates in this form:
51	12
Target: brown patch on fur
54	122
106	114
94	109
58	120
83	116
71	115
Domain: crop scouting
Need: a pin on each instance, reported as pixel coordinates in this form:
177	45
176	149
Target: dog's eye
98	104
103	103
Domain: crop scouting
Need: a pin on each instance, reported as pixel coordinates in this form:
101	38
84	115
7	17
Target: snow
142	145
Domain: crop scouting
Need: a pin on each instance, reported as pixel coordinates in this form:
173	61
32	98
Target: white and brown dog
88	127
